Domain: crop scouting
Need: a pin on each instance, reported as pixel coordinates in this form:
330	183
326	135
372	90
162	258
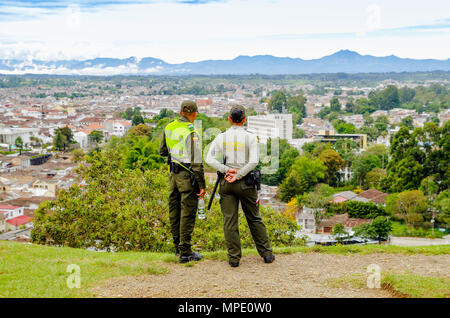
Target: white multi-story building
11	211
117	127
9	135
271	126
82	138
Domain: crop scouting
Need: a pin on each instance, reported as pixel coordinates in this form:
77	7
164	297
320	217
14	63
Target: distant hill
342	61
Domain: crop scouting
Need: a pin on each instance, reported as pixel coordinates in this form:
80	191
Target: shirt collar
184	118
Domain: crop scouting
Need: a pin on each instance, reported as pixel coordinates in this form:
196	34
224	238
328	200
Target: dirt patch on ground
296	275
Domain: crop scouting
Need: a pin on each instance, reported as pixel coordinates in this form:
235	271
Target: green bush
127	209
401	229
356	209
378	229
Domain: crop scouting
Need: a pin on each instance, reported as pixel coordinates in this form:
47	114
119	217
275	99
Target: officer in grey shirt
239	149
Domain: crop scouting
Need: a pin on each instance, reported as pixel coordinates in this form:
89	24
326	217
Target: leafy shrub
356	209
378	229
127	209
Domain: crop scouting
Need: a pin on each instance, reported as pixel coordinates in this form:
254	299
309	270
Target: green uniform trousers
230	196
183	203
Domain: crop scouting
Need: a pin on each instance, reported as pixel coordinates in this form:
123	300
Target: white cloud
178	32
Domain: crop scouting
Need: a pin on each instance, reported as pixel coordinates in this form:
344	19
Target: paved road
13	234
417	241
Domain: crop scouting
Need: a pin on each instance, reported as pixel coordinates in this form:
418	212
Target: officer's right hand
232	171
230	178
201	194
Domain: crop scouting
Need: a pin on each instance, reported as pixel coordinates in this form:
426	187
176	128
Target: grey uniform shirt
240	149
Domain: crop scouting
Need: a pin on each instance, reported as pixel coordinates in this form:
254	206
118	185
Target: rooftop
9	207
345	220
374	195
19	220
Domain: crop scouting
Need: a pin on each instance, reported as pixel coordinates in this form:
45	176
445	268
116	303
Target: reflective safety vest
177	133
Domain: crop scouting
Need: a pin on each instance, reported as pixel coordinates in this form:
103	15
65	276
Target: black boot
269	258
193	257
233	264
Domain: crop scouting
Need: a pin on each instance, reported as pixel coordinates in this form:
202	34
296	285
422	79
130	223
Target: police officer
239	150
180	142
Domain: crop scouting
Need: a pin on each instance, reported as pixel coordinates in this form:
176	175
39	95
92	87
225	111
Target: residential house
343	196
375	196
17	222
326	226
204	104
49	187
21	161
82	137
306	220
9	135
117	127
11	211
356	120
371	195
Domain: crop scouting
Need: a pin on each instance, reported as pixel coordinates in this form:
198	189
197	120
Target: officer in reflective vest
240	149
180	142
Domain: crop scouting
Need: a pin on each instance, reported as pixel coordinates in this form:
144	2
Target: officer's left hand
201	194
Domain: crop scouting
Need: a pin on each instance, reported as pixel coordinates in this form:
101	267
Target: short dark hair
237	116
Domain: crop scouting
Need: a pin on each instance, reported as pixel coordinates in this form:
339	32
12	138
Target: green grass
400	229
355	280
28	270
7	152
417	286
399	284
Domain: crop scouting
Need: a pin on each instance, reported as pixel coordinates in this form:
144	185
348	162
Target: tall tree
335	104
278	102
411	206
305	173
66	132
362	164
407	122
333	161
378	229
339	233
128	113
137	119
60	141
19	144
296	104
96	136
381	123
419	154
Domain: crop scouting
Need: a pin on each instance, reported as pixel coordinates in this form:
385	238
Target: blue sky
193	30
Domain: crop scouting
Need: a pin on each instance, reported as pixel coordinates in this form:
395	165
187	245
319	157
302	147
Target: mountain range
345	61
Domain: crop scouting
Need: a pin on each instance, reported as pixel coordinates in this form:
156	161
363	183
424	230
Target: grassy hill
28	270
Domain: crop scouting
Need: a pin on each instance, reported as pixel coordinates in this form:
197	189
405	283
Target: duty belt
176	167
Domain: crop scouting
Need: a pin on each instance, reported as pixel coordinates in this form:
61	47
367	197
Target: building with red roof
15	223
